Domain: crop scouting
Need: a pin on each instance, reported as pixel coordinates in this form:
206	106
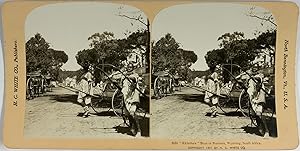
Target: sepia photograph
87	67
162	75
213	72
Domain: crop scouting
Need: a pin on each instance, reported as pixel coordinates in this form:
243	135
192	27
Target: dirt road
55	115
183	115
180	115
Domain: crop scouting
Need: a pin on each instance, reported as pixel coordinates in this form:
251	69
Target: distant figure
30	91
212	91
202	82
85	91
196	81
73	82
227	88
99	88
68	80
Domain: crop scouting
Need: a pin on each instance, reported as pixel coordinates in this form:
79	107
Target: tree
40	57
187	59
265	17
104	49
234	48
58	59
146	24
167	55
37	54
138	41
215	57
266	42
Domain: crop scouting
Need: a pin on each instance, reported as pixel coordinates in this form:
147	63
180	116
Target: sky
67	26
197	26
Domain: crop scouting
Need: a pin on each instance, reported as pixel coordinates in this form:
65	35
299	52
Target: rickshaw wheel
246	109
117	103
28	90
96	105
244	103
118	107
223	104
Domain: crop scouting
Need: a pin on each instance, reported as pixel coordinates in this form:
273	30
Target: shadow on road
123	130
65	98
272	126
231	113
234	113
105	113
191	97
72	98
144	125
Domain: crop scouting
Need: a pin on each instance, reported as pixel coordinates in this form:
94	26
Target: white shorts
83	97
257	108
131	108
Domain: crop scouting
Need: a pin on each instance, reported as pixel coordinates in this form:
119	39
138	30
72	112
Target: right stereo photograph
213	72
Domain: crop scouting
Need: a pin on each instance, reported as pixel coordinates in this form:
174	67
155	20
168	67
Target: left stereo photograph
87	76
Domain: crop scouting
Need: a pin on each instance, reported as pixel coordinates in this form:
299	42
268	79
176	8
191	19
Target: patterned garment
85	87
213	89
130	93
256	94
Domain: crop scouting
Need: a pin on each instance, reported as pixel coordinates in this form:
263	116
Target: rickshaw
240	87
34	84
112	87
47	84
233	92
163	84
176	83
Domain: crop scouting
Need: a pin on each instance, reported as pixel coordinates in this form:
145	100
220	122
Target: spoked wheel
255	120
224	104
246	109
29	90
157	88
179	87
244	103
227	103
171	88
117	103
96	104
118	106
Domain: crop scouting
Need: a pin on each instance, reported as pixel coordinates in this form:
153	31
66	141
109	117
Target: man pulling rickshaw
129	87
257	97
131	99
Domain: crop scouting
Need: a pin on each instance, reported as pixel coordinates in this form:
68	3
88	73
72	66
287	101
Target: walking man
213	91
85	91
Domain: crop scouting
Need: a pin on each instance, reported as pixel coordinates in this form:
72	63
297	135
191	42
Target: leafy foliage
106	49
167	55
234	48
39	56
